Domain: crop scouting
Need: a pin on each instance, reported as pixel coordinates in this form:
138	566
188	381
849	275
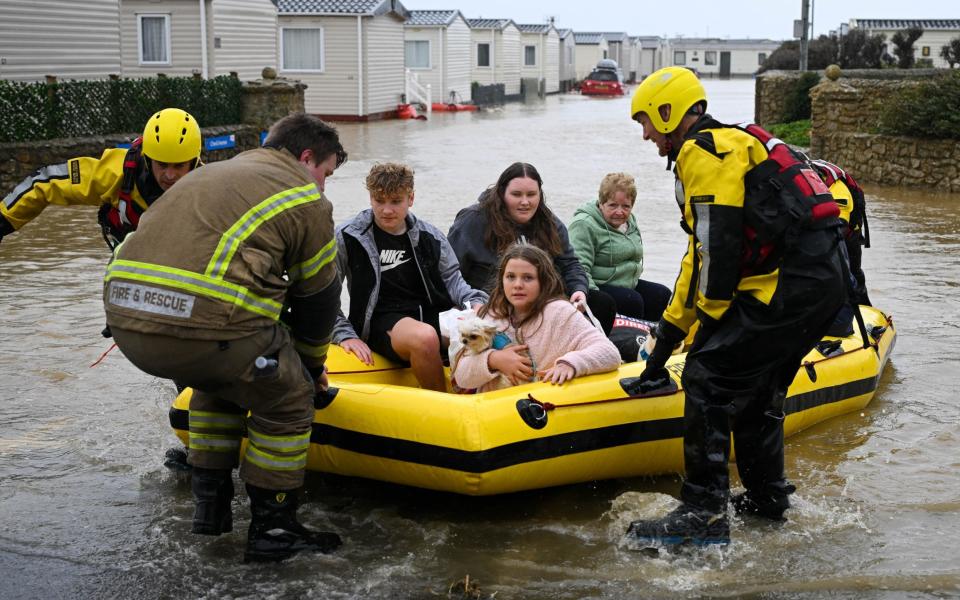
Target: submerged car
602	82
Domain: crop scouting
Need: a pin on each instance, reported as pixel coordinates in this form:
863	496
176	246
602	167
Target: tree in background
857	50
820	53
903	46
785	58
951	52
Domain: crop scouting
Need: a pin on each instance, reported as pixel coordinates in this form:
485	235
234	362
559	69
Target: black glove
667	337
5	228
652	380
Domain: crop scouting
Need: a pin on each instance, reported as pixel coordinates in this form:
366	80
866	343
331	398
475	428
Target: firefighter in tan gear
122	182
763	279
197	294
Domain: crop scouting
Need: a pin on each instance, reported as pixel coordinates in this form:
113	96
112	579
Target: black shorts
382	322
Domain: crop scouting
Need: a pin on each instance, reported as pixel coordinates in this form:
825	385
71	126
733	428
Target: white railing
417	92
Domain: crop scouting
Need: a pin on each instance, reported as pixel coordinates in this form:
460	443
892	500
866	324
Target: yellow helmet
677	87
172	136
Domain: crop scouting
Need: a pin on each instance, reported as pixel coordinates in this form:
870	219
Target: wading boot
764	506
685	525
213	493
275	533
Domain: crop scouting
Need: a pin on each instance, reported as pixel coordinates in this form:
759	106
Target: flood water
87	509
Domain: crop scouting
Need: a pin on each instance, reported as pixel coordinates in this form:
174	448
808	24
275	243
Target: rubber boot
685	525
766	506
275	533
213	493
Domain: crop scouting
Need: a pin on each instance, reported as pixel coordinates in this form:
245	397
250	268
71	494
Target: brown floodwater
87	509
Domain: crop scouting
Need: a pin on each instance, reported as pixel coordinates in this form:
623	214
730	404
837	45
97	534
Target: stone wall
772	91
846	115
264	101
774	88
271	98
851	105
894	161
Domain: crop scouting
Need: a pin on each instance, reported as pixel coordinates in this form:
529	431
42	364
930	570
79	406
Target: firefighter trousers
227	384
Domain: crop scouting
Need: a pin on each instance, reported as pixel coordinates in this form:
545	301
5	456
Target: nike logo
391	259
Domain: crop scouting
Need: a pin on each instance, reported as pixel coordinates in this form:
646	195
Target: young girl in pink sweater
551	339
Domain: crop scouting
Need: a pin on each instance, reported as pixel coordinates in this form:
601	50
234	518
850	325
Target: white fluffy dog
477	335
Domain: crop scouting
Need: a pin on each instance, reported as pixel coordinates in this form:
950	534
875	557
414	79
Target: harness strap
849	280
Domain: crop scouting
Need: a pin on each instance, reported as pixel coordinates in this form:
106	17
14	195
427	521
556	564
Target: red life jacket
857	227
784	196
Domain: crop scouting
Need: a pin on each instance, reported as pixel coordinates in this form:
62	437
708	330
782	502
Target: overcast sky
695	18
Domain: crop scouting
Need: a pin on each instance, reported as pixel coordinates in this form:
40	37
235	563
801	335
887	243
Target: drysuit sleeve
79	181
713	194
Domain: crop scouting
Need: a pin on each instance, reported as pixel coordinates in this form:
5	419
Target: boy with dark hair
401	274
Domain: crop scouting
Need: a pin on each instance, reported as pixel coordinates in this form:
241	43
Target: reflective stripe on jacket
222	252
710	170
79	181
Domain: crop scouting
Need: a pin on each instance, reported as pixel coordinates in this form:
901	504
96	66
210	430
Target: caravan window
529	56
154	33
417	54
483	55
301	49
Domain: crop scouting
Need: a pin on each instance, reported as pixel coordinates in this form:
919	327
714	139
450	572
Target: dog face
476	335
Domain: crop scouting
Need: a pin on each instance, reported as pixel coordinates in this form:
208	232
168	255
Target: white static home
64	41
568	57
136	38
618	49
437	49
937	33
650	50
540	55
495	53
349	53
591	49
722	58
210	38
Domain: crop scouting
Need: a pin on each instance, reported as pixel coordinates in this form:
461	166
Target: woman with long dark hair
515	210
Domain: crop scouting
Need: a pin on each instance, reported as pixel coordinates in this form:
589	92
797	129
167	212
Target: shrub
951	52
798	101
796	133
930	109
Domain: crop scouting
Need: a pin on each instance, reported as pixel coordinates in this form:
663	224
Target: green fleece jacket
608	256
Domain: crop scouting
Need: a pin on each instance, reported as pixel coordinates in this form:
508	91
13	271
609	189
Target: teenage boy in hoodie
401	274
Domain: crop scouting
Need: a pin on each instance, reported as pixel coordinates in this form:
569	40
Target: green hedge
41	111
797	105
929	110
796	133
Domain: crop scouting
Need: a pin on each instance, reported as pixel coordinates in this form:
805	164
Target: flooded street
87	509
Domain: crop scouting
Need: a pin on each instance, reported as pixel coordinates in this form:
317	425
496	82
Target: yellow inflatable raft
375	423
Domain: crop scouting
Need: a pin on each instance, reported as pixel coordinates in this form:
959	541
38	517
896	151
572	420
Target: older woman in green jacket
607	241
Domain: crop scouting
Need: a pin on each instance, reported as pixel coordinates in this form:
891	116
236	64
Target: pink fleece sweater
561	334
